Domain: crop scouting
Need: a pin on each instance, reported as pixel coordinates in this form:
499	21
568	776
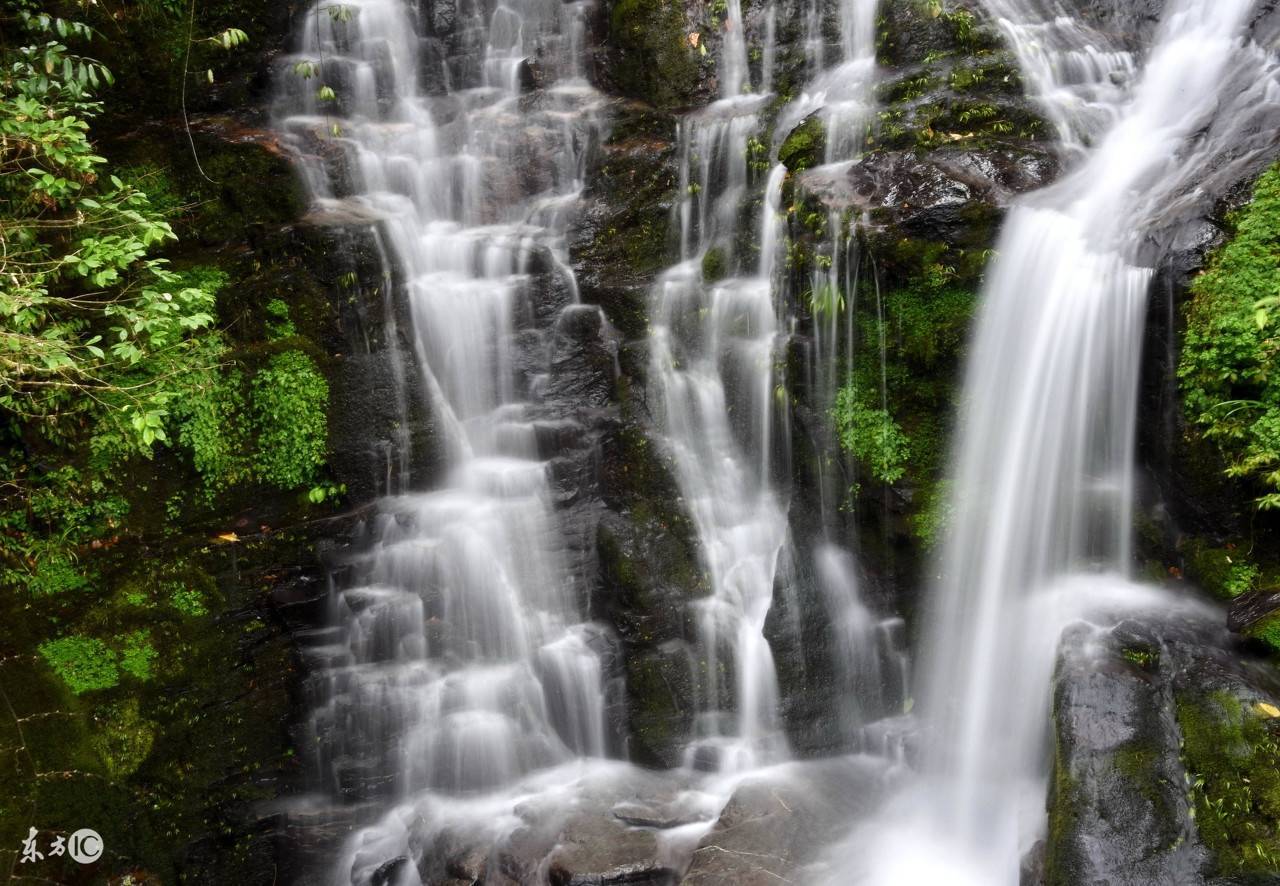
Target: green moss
1139	764
1064	803
656	62
1222	572
714	266
934	515
908	88
84	663
1232	756
1268	631
804	146
124	739
1145	657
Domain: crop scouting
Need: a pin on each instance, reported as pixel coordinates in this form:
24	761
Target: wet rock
949	194
773	826
661	816
1129	22
595	851
652	57
582	359
1158	727
571	838
912	33
620	239
1252	609
388	873
1118	806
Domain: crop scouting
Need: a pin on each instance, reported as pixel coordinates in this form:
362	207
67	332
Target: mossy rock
1225	573
655	60
714	265
1118	808
1231	745
661	701
912	31
622	240
804	146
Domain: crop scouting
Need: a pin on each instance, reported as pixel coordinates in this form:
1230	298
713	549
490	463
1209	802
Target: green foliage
934	517
138	656
212	428
107	354
871	435
64	510
189	602
279	325
289	405
271	428
84	663
911	325
1230	386
826	300
87	319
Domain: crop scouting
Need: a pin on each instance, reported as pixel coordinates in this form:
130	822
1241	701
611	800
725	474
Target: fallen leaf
1269	709
229	537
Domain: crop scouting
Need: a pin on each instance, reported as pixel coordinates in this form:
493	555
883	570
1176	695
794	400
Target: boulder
1166	748
777	823
949	194
1118	809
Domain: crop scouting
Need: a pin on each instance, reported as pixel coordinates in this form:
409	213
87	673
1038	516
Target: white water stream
1044	474
460	661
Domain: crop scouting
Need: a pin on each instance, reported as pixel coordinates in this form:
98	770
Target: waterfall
459	660
1044	469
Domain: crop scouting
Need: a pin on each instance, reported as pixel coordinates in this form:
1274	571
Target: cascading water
460	661
715	338
460	670
1044	476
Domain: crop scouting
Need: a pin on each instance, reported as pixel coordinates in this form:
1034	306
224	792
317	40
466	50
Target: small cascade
1079	76
717	334
871	659
459	661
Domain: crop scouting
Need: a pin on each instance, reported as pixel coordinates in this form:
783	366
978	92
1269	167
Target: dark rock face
950	194
621	238
1129	22
652	55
